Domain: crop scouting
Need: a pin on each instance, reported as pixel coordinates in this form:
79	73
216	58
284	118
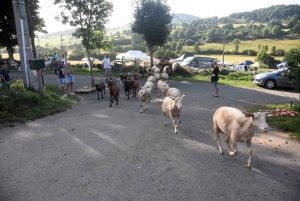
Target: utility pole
224	37
30	77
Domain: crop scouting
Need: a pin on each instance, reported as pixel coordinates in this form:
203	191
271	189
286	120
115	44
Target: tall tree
236	43
87	16
35	23
8	34
153	21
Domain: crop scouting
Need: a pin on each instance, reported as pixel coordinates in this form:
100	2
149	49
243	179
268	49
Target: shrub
190	42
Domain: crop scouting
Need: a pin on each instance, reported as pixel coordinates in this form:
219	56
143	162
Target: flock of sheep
236	126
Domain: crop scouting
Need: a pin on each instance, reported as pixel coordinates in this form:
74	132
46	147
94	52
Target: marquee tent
185	55
134	54
259	64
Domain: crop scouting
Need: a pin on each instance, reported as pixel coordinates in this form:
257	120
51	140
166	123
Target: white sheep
175	65
172	106
165	76
156	70
144	96
173	92
238	127
165	69
163	87
150	84
151	79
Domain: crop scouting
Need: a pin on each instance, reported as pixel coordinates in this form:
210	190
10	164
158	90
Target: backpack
55	70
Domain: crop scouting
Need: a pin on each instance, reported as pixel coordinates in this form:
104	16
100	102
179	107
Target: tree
293	56
236	43
152	19
273	50
196	48
87	16
35	23
264	57
259	46
8	34
265	48
276	31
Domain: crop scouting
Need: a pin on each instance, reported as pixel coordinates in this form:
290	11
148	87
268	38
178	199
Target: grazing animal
175	65
114	91
173	92
172	106
163	87
142	71
135	86
136	76
100	88
152	79
123	77
238	127
165	69
165	76
144	96
150	84
127	87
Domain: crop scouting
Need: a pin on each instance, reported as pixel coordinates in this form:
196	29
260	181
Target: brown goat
135	86
100	88
114	91
142	71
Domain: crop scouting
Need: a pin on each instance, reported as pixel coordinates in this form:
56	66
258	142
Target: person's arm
2	77
58	70
72	70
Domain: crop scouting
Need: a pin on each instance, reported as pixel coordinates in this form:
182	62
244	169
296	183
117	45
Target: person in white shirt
64	59
107	66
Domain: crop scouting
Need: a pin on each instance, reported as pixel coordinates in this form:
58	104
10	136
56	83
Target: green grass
284	123
21	105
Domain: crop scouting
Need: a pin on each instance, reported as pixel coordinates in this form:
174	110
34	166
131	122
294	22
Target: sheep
172	106
114	91
136	76
135	86
156	71
175	65
127	87
165	69
165	76
169	71
100	88
150	84
151	79
238	127
144	96
173	92
163	87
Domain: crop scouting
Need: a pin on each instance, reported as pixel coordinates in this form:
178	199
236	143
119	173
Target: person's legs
71	88
67	88
106	72
62	85
215	83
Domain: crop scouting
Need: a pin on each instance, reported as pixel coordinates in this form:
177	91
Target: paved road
93	152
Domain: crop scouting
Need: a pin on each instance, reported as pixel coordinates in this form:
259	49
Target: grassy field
285	43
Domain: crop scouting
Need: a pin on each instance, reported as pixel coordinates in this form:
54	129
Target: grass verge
283	123
21	105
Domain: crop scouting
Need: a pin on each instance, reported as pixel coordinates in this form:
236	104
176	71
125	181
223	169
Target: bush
189	42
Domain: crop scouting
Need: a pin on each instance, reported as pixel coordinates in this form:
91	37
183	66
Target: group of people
65	74
49	59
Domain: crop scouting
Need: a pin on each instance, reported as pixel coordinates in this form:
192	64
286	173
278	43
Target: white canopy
134	54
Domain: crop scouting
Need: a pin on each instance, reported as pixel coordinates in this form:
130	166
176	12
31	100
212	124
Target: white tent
134	54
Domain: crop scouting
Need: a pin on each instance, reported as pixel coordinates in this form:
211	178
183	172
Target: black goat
127	87
100	88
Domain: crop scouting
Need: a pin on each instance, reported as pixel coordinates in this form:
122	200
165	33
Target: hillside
179	18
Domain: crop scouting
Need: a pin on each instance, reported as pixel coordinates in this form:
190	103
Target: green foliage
196	48
264	57
236	42
76	55
293	56
152	19
189	42
21	105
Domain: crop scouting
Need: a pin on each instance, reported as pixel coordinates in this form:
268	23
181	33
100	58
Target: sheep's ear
182	96
247	115
173	98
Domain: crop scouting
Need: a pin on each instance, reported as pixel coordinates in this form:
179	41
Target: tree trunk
10	51
151	55
91	67
31	32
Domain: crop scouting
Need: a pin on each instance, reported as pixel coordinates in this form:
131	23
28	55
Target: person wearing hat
4	73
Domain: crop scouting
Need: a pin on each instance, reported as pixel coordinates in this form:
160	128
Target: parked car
276	78
201	62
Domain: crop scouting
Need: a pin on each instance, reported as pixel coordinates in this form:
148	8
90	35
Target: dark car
276	78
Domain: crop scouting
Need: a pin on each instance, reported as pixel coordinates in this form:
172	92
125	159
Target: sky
123	10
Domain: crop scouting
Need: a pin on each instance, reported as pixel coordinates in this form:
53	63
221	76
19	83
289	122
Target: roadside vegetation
21	105
284	123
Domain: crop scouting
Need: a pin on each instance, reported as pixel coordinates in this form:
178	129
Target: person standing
215	77
5	79
64	59
69	71
55	59
62	78
107	67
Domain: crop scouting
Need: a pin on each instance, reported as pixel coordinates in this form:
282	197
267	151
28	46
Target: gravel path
94	152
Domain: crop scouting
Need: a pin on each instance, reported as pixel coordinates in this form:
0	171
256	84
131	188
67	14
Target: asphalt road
94	152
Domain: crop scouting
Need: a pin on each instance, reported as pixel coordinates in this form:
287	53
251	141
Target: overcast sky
123	10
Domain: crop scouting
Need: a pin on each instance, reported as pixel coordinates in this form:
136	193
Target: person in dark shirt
61	78
4	73
215	78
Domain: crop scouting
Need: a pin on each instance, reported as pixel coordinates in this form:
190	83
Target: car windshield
279	70
186	61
